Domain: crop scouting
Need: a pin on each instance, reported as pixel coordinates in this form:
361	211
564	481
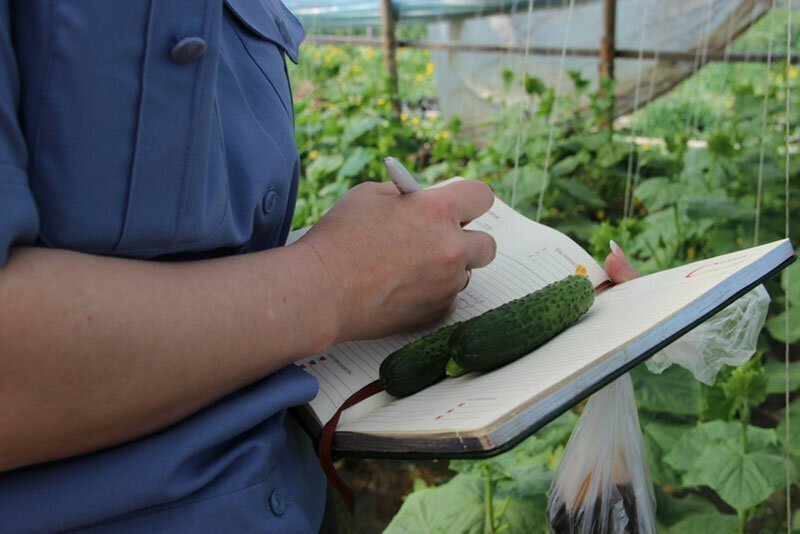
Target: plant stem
678	243
488	512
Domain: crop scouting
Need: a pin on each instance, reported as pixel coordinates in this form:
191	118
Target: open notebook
484	414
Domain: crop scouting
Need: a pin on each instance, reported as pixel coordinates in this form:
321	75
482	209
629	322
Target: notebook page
529	256
618	317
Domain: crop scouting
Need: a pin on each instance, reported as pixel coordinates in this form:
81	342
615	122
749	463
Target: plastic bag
729	337
602	485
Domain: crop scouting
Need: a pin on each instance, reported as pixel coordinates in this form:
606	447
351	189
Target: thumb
617	266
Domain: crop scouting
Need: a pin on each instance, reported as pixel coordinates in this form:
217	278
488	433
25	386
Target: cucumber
516	328
416	365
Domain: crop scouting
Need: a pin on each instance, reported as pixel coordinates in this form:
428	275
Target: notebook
483	414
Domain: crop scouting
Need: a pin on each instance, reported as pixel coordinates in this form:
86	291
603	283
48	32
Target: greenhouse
400	266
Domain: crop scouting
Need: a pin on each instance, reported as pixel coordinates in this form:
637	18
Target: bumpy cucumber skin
516	328
417	365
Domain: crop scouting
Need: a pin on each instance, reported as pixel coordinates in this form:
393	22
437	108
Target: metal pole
390	52
663	55
607	41
607	54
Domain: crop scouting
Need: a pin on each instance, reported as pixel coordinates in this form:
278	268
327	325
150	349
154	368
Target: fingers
377	188
469	199
481	248
617	266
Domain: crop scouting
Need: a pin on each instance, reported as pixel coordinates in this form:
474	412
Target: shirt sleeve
19	221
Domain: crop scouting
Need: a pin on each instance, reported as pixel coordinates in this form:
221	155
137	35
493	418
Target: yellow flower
355	69
445	134
358	101
419	77
438	137
313	154
794	73
317	55
370	52
429	69
327	59
645	147
404	117
415	121
381	101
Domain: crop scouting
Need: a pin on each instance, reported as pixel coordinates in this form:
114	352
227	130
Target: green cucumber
417	365
516	328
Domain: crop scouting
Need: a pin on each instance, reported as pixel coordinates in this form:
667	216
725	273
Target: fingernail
616	251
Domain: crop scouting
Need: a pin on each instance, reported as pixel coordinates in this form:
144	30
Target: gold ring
469	277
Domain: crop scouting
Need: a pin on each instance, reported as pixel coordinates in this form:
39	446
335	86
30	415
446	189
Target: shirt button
269	202
276	503
188	49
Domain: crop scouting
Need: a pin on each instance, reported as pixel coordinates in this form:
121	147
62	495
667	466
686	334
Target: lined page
529	256
618	317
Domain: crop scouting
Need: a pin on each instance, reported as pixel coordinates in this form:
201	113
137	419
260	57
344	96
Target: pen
400	177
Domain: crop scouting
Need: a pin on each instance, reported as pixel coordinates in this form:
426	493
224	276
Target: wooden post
608	50
390	52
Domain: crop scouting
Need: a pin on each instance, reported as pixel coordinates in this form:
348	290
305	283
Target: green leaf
747	385
776	326
566	166
660	438
743	480
673	391
658	193
581	194
793	445
671	510
323	166
709	522
354	163
791	275
456	506
718	208
358	126
684	455
775	372
611	154
533	85
720	144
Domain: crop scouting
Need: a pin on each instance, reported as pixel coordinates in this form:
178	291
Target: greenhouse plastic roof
361	13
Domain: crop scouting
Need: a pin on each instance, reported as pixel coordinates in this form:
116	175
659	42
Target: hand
617	266
396	262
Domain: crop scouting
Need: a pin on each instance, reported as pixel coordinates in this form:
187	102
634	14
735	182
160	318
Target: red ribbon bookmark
325	448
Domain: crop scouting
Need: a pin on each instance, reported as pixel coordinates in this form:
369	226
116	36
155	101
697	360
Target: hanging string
552	115
512	13
760	182
628	202
522	107
786	399
703	58
723	81
646	118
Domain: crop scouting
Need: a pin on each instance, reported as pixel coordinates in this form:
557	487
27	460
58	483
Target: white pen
400	177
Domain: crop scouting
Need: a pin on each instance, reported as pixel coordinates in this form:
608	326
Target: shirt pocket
270	31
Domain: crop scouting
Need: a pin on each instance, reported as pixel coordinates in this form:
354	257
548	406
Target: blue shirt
159	130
